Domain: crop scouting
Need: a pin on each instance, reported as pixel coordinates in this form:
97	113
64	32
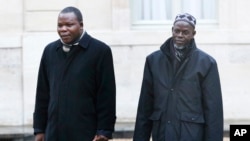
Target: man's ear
81	24
194	32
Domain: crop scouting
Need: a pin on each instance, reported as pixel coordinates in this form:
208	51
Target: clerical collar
66	47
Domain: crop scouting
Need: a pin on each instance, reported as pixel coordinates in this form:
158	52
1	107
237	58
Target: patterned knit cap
187	18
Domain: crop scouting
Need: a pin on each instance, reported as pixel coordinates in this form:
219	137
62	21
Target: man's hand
100	138
40	137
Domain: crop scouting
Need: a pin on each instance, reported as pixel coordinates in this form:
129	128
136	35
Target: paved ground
7	132
225	139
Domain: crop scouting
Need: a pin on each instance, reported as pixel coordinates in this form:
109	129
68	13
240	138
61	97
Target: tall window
162	12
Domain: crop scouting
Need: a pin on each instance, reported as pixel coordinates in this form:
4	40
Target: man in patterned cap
180	97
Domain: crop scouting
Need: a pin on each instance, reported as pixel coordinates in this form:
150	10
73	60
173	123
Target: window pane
201	9
192	7
152	9
165	10
159	10
147	10
210	9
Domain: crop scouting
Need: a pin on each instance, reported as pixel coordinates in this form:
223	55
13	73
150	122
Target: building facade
27	26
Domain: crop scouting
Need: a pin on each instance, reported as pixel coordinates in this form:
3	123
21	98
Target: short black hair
75	10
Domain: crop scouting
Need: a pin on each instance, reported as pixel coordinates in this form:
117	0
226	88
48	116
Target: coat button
192	118
169	121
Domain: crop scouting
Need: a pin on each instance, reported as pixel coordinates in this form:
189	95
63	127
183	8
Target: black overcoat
75	92
185	105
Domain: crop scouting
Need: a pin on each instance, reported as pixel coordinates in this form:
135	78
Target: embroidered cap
187	18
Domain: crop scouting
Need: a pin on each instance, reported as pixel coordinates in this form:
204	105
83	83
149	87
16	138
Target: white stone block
41	21
11	100
33	45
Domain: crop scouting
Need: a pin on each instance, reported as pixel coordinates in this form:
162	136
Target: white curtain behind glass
163	10
154	9
201	9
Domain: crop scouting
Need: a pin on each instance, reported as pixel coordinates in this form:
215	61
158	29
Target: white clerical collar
66	47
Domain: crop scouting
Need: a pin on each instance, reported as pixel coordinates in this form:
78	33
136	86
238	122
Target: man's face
68	27
182	33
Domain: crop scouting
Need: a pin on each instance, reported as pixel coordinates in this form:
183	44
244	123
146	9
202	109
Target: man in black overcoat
76	92
181	97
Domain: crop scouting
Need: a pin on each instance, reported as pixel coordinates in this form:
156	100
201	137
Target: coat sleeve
212	105
143	125
106	93
42	98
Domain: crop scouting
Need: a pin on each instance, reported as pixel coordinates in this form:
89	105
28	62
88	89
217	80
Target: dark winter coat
75	92
185	105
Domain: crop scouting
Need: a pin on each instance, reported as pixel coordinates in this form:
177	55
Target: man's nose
63	28
180	34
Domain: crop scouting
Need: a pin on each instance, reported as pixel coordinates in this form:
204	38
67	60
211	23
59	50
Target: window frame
176	8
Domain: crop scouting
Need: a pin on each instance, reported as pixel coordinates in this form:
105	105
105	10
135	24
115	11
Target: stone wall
29	25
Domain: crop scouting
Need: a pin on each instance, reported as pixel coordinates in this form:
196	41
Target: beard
179	47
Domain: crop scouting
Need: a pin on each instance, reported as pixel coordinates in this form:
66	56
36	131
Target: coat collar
166	46
84	42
